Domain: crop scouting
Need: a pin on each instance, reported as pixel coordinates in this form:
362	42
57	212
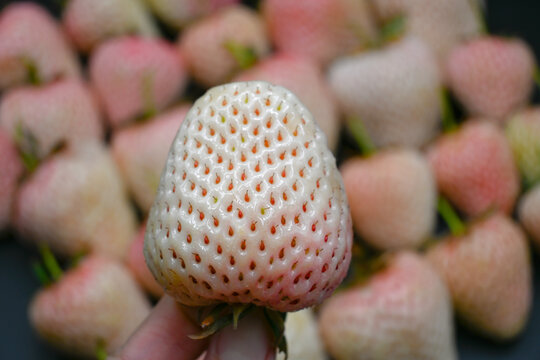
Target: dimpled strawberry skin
251	207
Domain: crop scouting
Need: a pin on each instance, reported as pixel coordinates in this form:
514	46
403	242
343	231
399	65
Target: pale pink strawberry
529	214
402	312
141	166
178	13
441	24
319	29
304	78
76	202
11	168
394	91
492	76
251	207
392	196
95	305
40	119
475	168
523	134
90	22
205	43
136	76
137	265
488	273
32	47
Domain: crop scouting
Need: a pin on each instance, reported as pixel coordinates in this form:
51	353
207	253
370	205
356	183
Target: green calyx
360	134
447	212
48	271
28	147
244	56
214	318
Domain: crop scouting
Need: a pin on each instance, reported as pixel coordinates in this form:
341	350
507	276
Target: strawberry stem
392	30
245	57
51	264
41	274
148	97
447	112
27	144
32	73
536	75
359	132
101	351
447	212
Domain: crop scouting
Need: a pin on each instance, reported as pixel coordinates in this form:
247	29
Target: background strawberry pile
89	105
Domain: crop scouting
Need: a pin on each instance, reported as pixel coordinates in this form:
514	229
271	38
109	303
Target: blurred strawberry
303	339
42	119
304	78
523	134
141	166
89	22
178	13
475	169
394	91
529	214
11	169
441	24
402	312
208	45
32	47
75	202
136	77
93	307
488	273
137	265
392	198
492	76
319	29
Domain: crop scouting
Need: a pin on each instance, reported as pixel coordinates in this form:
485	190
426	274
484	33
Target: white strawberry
96	305
394	91
402	312
251	207
75	202
303	339
40	119
141	166
89	22
32	47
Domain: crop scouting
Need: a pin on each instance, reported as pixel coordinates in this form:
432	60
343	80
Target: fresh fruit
304	78
529	214
178	13
440	24
321	30
402	312
32	47
392	196
394	91
141	166
523	134
95	305
89	22
492	76
76	202
12	169
303	339
137	265
251	207
488	273
42	119
136	77
207	44
475	168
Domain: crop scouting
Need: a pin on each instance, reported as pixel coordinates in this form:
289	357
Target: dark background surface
18	284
